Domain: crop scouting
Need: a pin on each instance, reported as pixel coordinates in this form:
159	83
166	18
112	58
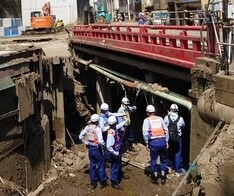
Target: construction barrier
10	27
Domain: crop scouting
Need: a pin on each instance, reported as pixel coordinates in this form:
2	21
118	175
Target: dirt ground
74	180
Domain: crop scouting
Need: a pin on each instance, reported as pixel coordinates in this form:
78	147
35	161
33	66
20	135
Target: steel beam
135	61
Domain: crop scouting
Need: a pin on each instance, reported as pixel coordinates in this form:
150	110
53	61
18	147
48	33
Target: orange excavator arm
46	9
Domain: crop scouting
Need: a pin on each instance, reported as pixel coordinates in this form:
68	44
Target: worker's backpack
173	129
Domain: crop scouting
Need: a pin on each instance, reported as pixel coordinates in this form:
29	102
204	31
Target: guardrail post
117	31
129	37
143	30
162	40
183	42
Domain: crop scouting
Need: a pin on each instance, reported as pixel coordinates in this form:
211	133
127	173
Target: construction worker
155	134
175	124
103	124
91	135
113	144
104	115
126	109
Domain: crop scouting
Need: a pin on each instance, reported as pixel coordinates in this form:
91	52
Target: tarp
25	89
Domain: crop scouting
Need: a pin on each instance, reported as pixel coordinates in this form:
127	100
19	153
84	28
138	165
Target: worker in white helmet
155	134
103	124
126	109
175	124
104	115
113	144
91	135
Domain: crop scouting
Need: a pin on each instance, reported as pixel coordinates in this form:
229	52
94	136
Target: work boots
103	184
116	186
163	179
93	184
154	179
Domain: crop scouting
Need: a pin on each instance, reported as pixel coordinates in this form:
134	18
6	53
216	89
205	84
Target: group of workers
105	134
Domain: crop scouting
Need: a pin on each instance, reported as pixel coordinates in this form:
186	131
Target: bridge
176	45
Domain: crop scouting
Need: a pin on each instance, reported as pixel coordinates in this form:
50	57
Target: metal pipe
216	36
139	85
229	46
212	111
125	82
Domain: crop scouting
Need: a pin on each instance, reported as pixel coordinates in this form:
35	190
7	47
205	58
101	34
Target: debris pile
64	159
10	188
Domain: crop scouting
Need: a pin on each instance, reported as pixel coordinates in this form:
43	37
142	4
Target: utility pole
128	8
176	14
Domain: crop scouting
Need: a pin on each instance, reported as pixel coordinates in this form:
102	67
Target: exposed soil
74	180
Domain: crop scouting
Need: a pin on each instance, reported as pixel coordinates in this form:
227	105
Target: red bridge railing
178	45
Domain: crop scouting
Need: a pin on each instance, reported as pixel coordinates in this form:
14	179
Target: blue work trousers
175	156
157	148
115	172
97	164
128	135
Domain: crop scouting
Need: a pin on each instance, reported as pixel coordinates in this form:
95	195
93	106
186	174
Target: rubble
65	160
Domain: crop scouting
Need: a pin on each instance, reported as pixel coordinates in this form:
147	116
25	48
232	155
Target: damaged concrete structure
33	90
27	115
24	127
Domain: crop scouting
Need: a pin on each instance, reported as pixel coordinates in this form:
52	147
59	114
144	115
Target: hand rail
181	43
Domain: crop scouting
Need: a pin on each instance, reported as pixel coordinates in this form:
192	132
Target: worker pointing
104	115
126	109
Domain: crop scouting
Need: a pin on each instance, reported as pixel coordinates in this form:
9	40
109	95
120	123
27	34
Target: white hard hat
125	100
111	120
94	118
150	108
174	108
104	106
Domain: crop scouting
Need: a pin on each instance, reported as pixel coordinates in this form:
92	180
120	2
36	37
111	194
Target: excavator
44	22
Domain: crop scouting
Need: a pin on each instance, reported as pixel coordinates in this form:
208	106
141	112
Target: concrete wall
65	10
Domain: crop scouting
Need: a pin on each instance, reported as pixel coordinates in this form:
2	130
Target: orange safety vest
91	134
110	132
156	129
118	141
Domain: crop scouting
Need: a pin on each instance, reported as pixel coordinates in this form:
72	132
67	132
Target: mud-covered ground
137	184
75	181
